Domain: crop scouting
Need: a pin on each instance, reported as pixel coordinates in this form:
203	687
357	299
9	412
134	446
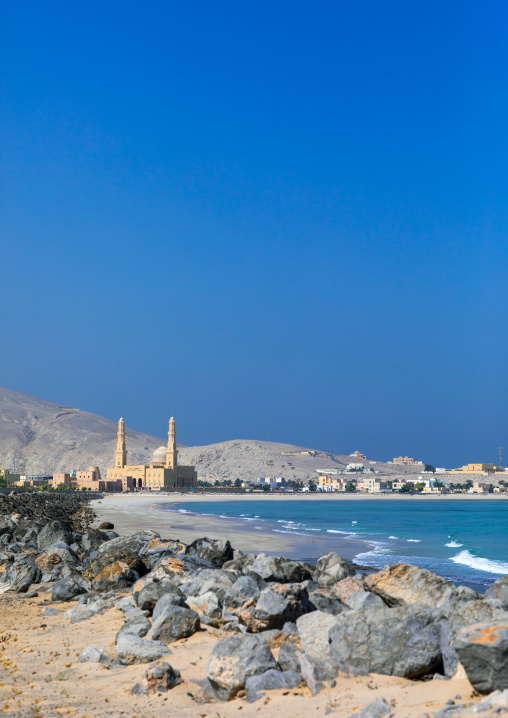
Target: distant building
329	481
355	467
405	461
278	483
358	455
162	474
476	469
372	486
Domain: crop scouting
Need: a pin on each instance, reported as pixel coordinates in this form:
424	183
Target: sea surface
463	541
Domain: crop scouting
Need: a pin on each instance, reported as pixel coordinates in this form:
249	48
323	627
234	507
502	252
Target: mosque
162	474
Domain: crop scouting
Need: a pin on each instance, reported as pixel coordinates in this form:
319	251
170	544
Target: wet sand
133	512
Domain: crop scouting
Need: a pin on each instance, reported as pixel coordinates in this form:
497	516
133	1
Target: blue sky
278	221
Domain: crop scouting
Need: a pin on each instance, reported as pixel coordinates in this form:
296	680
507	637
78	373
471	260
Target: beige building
162	474
405	461
329	481
476	469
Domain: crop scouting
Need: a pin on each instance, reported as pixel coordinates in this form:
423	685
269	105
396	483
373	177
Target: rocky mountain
40	437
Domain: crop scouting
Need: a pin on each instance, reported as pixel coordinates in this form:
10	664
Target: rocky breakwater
280	623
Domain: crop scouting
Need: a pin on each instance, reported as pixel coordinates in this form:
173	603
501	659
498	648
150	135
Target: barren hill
40	437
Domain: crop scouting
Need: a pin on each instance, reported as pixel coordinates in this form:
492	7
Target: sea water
463	541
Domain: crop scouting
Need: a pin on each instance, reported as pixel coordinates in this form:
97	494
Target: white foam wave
337	531
354	522
183	511
393	537
480	564
454	544
414	540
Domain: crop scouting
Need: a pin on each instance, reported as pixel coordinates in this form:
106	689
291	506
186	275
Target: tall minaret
171	452
121	451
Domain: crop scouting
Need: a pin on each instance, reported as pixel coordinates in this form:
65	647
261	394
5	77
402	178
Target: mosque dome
159	455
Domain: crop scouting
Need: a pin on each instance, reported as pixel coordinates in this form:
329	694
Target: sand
42	678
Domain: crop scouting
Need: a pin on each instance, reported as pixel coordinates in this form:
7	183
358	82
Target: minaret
171	452
121	451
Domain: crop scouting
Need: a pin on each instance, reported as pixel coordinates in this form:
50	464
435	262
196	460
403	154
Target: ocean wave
354	522
393	537
480	564
337	531
183	511
454	544
414	540
291	533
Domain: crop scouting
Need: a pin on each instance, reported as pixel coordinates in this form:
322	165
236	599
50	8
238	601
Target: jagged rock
315	670
204	580
376	709
159	678
243	588
174	566
483	651
69	586
174	623
147	593
240	565
331	568
50	612
87	609
400	641
324	600
289	657
313	629
269	681
207	604
173	598
93	655
133	649
48	561
106	525
498	592
125	550
136	622
281	570
21	574
117	575
402	584
159	548
52	533
93	539
217	552
363	600
277	604
235	659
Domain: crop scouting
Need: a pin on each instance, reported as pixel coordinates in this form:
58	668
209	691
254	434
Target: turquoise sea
464	541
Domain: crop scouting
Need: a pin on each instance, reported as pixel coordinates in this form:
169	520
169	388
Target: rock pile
285	622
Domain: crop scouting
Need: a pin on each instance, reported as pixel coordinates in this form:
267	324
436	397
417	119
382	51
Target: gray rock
314	631
174	623
289	657
159	678
207	605
498	592
136	622
116	576
168	599
243	588
402	584
324	600
93	540
315	670
401	641
331	568
86	610
483	651
281	570
240	565
124	549
93	655
147	595
377	709
269	681
50	612
363	600
205	580
235	659
66	589
52	533
276	605
21	575
133	649
217	552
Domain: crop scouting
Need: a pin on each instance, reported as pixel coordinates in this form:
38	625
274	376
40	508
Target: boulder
498	592
331	568
159	678
314	629
240	565
235	659
21	574
241	591
402	584
93	655
133	649
159	548
401	641
93	539
48	561
177	566
376	709
315	670
52	533
363	600
269	681
326	601
174	623
289	657
124	549
203	580
206	605
117	575
217	552
136	622
277	604
87	609
147	593
173	598
106	525
483	651
281	570
69	586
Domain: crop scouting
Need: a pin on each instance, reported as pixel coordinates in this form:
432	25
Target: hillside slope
40	437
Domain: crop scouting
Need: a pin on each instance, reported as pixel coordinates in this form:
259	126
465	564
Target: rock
324	600
133	649
204	580
243	588
159	548
240	565
206	605
363	600
402	584
401	641
176	566
169	599
52	533
93	655
276	605
376	709
117	575
269	681
86	610
315	670
289	657
331	568
48	561
136	622
483	651
498	592
313	629
65	589
217	552
281	570
174	623
147	593
124	549
235	659
93	539
50	612
106	525
21	575
159	678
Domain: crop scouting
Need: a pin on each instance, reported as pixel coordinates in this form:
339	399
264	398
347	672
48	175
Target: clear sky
283	221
